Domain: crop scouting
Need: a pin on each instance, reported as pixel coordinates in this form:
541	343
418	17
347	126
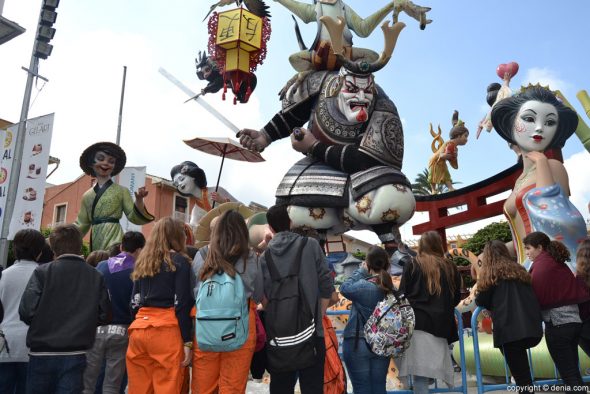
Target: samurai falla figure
351	177
104	204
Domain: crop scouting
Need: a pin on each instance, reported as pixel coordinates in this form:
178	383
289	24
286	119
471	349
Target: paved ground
260	388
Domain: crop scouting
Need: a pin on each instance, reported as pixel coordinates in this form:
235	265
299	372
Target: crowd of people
143	317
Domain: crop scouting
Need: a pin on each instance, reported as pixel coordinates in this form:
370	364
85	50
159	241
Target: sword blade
199	100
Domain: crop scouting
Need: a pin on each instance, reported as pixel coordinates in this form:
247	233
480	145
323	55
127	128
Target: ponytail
559	252
378	261
384	282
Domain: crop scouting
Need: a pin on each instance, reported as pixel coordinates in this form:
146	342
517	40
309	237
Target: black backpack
289	323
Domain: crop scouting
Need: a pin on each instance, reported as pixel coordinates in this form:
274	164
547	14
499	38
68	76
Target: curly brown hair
559	252
583	261
498	265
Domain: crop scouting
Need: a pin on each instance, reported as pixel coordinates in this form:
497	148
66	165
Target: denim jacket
364	296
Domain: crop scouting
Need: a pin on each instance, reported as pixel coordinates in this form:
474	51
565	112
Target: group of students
431	283
550	293
142	303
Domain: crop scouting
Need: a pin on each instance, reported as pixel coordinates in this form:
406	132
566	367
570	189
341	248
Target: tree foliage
421	186
45	231
496	230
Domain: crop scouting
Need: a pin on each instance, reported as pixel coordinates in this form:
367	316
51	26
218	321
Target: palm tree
421	186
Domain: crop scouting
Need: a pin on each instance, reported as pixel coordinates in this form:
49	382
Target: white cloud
545	77
579	181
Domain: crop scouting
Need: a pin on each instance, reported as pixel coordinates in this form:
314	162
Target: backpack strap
272	268
297	266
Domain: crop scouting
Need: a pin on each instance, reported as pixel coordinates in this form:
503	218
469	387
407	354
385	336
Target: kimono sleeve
134	215
84	220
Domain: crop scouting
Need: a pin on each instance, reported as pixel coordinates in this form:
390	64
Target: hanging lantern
237	42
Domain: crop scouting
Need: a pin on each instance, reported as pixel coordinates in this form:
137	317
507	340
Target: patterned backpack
390	327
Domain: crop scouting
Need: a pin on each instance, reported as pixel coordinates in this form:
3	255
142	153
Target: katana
199	100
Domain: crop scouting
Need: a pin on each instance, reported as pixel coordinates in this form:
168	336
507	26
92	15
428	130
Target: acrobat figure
208	69
497	93
320	56
535	121
104	204
190	181
438	172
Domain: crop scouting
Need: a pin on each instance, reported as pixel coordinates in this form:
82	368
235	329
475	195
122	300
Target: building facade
62	202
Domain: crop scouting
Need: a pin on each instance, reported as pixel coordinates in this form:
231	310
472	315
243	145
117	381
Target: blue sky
445	67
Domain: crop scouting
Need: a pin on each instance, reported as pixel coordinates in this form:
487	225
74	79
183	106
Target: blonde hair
166	236
497	265
431	260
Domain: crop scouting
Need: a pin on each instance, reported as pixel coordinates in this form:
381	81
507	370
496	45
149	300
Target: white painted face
355	97
186	184
535	126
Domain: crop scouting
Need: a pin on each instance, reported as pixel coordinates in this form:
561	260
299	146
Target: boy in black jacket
63	303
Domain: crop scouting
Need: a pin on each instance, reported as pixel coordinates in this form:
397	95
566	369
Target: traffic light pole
18	158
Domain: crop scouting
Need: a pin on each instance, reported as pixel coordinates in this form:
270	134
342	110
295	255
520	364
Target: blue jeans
366	370
56	374
13	378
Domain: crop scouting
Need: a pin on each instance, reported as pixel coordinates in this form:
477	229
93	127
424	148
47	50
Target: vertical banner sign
131	178
7	140
28	207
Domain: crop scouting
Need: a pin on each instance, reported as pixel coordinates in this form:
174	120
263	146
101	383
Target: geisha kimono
438	172
549	210
101	210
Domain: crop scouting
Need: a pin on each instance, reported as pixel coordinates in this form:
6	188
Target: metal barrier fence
457	389
482	388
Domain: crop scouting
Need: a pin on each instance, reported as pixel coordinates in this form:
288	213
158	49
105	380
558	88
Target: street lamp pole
18	156
121	106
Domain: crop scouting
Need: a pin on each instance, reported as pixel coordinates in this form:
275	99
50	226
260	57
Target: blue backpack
222	314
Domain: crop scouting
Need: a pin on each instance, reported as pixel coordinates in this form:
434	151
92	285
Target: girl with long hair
559	294
583	275
504	288
162	301
432	285
228	251
366	287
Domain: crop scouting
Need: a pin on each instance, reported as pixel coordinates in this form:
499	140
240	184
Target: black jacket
515	312
63	303
434	314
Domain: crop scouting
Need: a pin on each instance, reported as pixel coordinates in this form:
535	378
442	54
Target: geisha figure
103	205
535	121
190	181
438	172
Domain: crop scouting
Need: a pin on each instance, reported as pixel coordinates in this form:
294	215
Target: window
181	208
59	214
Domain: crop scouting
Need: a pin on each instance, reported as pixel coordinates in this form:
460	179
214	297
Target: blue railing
436	389
482	388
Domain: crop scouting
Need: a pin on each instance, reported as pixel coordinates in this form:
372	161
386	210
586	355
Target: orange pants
224	372
155	352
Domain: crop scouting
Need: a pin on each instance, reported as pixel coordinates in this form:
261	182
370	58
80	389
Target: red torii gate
474	196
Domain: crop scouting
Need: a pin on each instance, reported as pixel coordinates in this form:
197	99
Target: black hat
87	157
